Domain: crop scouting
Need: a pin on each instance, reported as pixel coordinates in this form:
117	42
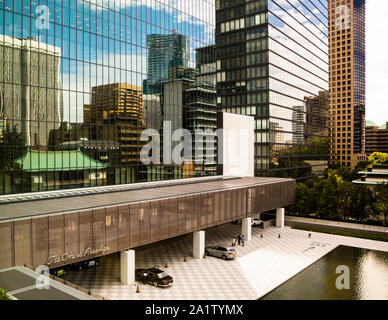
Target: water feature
368	277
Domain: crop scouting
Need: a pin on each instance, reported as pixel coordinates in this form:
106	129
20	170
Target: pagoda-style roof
51	161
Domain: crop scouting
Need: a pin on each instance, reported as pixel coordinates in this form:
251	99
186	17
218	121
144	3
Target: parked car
154	276
91	263
257	222
221	251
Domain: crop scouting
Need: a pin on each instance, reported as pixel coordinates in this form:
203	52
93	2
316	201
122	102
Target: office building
116	114
298	125
29	87
376	138
347	81
267	63
167	54
317	115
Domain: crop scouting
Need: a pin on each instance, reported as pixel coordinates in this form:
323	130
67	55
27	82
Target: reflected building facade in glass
272	60
165	54
81	79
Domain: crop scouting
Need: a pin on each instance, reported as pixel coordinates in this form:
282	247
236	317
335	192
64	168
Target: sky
377	61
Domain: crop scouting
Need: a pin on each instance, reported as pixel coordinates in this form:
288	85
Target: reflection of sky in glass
298	57
104	41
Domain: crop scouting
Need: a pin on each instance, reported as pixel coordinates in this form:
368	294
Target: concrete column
280	218
198	244
247	228
127	271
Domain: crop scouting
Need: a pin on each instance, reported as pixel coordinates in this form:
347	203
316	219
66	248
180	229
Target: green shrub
4	295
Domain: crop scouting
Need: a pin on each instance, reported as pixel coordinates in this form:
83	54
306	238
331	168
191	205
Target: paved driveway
260	266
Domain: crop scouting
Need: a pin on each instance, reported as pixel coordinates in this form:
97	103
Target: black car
154	276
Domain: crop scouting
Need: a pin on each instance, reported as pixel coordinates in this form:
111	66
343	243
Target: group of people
241	240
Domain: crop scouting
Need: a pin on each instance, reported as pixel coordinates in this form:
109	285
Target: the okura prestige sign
83	254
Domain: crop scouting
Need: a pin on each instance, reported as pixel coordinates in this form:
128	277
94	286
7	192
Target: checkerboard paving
261	265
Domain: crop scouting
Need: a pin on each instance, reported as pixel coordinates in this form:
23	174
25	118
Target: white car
256	222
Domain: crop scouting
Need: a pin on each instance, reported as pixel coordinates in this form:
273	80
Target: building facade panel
6	245
68	237
72	232
23	243
85	229
123	227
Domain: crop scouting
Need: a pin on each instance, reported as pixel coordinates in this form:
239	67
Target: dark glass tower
272	60
166	53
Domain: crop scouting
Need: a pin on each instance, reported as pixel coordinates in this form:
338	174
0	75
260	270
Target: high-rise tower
166	53
347	81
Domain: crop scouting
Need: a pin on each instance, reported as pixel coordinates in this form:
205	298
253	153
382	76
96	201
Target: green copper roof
370	123
35	161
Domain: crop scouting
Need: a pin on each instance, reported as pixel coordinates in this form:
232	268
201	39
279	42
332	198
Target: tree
328	202
361	203
4	295
379	158
381	203
12	146
305	202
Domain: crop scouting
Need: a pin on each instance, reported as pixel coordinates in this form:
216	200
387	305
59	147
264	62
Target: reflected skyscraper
298	124
317	115
29	87
166	54
116	114
271	54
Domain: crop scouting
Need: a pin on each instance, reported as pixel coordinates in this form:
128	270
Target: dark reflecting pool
368	278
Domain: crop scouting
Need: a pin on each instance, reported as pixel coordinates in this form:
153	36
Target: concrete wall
339	227
238	145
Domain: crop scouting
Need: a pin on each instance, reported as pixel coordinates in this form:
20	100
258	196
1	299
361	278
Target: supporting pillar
198	244
127	265
280	218
247	228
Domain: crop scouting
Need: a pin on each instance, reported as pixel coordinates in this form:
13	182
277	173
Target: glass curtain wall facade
72	96
272	64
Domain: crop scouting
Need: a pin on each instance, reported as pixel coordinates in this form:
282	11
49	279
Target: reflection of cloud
195	19
196	12
180	15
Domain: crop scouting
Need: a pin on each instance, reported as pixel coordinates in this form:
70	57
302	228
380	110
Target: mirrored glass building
272	64
81	79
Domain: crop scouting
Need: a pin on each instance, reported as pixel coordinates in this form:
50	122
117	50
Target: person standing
239	239
234	242
243	240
